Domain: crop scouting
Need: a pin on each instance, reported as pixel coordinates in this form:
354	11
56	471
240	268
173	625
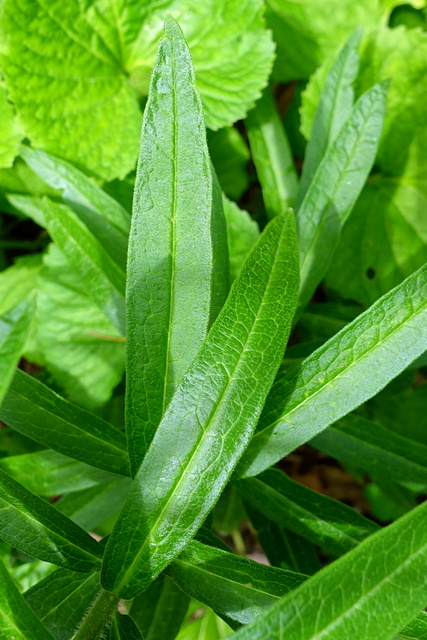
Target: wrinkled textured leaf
324	521
350	368
39	413
50	473
160	610
272	156
17	621
235	587
10	132
34	526
206	428
332	604
14	329
363	444
61	600
77	96
177	229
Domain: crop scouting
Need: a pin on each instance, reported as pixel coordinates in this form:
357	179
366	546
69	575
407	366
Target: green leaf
98	617
363	444
283	548
336	186
177	229
104	217
90	507
333	110
342	374
10	132
35	527
79	345
39	413
206	427
14	329
324	521
235	587
17	621
243	232
332	604
305	35
160	610
124	628
61	600
415	630
230	156
18	281
48	473
272	156
77	97
207	626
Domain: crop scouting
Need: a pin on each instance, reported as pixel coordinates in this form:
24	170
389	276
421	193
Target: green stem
98	616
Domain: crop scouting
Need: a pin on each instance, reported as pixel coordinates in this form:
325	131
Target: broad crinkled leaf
33	409
37	528
17	620
10	132
75	70
178	230
210	418
342	374
381	585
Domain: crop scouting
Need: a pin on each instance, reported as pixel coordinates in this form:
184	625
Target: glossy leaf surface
34	526
324	521
350	368
335	187
272	156
207	425
61	600
17	620
235	587
387	596
39	413
124	628
177	227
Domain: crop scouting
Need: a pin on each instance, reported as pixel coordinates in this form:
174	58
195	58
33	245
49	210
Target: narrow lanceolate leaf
336	186
366	445
272	156
48	473
102	278
107	220
381	585
34	526
415	630
160	610
235	587
345	372
17	620
39	413
175	222
210	418
124	628
14	329
61	600
320	519
335	104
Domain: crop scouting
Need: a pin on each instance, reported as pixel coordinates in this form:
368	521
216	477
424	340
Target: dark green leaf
160	610
334	108
207	426
61	600
34	526
48	473
34	410
17	621
124	628
243	232
272	156
363	444
337	600
415	630
350	368
235	587
173	243
324	521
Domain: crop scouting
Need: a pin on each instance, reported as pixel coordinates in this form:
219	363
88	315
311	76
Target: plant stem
98	616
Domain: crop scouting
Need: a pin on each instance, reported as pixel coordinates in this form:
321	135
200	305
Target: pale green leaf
11	132
243	232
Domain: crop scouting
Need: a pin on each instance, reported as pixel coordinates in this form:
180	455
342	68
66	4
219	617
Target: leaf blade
14	329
